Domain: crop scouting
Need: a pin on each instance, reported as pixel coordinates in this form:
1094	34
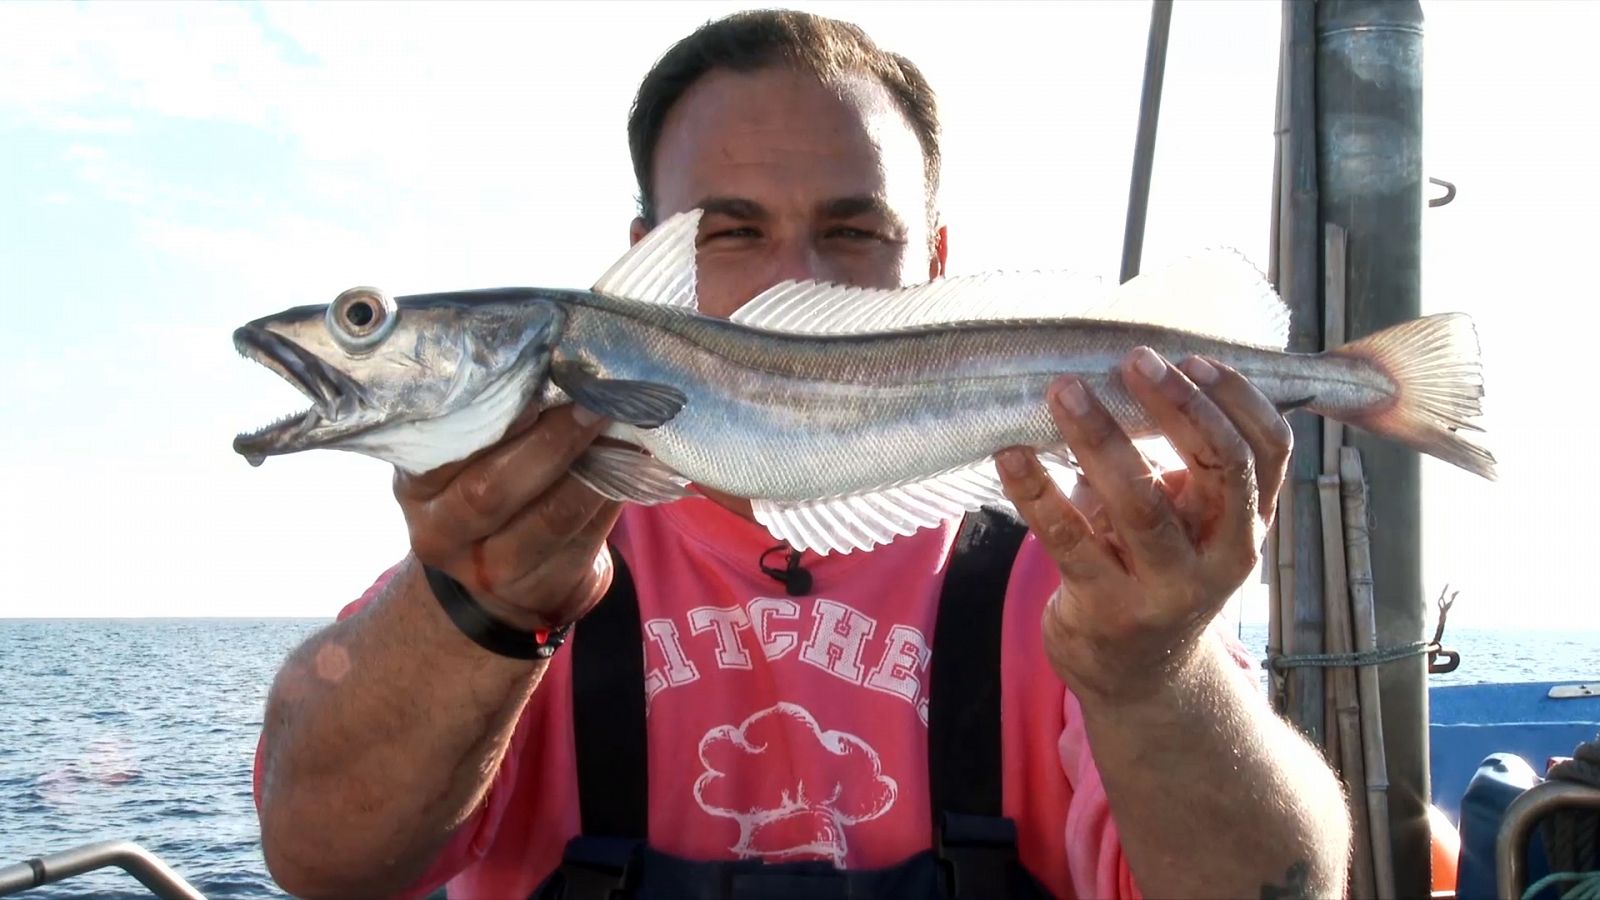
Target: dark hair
749	41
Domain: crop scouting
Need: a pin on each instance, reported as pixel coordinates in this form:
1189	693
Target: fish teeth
320	404
281	421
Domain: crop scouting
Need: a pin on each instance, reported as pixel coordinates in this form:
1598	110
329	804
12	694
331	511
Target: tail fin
1434	364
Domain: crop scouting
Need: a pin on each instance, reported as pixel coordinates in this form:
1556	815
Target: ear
637	230
941	252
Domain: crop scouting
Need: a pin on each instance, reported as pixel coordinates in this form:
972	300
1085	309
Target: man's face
797	181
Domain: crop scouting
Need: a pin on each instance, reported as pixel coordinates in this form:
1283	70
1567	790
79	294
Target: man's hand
1150	559
1184	745
514	526
346	816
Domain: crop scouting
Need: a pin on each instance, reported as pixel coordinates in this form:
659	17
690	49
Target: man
398	753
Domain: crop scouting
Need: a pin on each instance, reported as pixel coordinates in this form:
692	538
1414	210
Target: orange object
1446	846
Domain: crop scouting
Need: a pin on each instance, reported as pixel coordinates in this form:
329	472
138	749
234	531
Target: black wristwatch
487	631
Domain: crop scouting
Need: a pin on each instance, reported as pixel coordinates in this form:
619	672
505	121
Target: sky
170	171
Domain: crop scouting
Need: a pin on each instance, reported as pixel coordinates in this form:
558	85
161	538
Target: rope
1336	660
1585	885
1583	767
1572	836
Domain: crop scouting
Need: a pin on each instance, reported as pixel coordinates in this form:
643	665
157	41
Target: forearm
1213	795
381	735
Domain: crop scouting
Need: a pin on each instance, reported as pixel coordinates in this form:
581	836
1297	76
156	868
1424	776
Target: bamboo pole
1344	707
1335	245
1348	749
1285	579
1358	556
1269	569
1330	695
1348	724
1334	640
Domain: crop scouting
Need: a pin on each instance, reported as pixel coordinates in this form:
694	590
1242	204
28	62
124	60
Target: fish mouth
333	394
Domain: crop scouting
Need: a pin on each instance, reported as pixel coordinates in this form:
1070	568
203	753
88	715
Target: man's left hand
1148	559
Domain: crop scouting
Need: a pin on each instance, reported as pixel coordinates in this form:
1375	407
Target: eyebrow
732	207
837	208
861	204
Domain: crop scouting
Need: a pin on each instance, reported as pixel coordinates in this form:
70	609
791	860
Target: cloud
117	180
73	123
191	61
409	89
408	139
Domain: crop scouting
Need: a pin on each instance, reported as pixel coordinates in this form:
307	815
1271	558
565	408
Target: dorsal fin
814	307
660	268
1217	293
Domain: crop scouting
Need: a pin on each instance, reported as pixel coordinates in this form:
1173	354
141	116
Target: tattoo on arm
1295	889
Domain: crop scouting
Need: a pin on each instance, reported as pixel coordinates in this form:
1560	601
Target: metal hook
1449	192
1440	659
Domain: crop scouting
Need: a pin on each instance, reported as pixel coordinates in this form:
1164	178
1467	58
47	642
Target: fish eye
361	318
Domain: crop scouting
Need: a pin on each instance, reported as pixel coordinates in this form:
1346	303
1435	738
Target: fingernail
1200	371
1149	364
1012	463
585	416
1072	398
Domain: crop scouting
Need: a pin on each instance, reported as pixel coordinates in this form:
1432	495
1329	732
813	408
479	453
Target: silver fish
848	416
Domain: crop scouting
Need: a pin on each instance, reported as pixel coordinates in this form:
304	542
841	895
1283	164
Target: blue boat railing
126	855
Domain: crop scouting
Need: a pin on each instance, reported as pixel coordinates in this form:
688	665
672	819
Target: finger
1086	498
1258	421
481	499
1173	481
1140	512
1221	469
1088	502
528	541
596	579
420	487
426	485
572	575
1059	526
587	592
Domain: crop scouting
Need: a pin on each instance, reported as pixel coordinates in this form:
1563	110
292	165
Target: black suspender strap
608	713
964	765
608	723
974	840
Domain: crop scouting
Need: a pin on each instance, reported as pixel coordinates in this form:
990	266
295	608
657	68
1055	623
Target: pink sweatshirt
785	728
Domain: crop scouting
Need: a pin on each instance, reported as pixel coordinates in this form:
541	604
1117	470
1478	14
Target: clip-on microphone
796	581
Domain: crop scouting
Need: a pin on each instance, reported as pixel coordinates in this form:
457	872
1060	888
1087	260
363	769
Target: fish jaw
338	409
452	375
417	445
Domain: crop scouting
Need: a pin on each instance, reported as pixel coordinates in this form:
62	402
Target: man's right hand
513	525
345	816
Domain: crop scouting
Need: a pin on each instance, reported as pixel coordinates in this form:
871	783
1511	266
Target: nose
798	259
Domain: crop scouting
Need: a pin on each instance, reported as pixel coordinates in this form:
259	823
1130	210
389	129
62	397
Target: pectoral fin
1287	406
620	473
643	404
